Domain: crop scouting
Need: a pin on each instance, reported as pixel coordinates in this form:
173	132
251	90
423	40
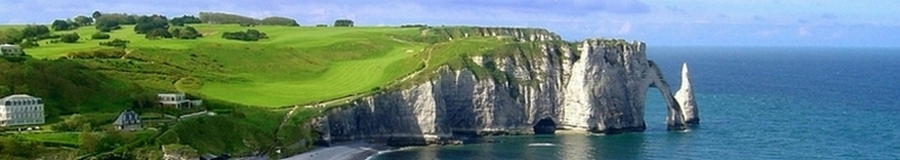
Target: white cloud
625	29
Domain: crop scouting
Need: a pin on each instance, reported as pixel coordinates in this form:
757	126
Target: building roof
127	117
18	97
170	94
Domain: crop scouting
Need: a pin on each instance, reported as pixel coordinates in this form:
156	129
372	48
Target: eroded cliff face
685	98
597	86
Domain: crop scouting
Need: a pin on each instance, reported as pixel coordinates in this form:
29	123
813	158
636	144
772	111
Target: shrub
29	43
249	35
69	38
343	23
75	121
100	35
185	33
97	53
413	26
282	21
116	43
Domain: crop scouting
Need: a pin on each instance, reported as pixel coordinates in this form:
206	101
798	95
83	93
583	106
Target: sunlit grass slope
296	65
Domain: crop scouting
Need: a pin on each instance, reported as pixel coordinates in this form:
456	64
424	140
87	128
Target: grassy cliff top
294	66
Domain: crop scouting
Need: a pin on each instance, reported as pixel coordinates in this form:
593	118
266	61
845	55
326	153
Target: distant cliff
598	85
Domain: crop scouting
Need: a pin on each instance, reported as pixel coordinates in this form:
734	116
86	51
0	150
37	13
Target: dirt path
127	51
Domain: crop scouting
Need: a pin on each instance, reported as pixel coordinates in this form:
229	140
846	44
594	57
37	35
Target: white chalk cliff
598	86
685	98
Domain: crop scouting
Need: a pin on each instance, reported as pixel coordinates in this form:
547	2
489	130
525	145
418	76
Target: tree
186	19
69	38
191	19
225	18
119	43
60	25
12	147
186	33
192	30
115	139
73	24
83	20
35	31
280	21
176	22
249	35
10	36
96	14
89	141
106	23
176	32
343	23
146	24
129	19
29	43
158	33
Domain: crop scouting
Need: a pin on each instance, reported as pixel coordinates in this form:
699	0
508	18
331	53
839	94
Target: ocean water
754	102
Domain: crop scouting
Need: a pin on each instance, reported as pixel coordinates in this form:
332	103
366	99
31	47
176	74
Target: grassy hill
256	81
296	65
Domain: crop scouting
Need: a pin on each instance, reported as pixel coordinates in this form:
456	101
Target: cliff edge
597	85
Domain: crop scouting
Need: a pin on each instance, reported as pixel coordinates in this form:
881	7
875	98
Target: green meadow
254	83
294	66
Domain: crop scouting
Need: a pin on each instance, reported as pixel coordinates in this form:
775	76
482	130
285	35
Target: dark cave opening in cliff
545	126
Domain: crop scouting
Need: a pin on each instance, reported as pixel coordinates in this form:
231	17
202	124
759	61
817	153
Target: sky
854	23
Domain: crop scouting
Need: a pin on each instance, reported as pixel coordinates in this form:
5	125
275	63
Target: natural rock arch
674	117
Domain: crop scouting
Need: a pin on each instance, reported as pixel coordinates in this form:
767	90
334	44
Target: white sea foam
541	144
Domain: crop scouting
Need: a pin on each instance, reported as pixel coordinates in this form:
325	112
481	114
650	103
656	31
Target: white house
177	100
21	109
10	50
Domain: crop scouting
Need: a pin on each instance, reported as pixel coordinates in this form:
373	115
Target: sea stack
685	97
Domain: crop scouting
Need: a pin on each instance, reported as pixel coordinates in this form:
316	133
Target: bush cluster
116	43
97	53
100	35
249	35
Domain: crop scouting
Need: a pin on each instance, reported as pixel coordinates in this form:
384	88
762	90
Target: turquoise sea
755	103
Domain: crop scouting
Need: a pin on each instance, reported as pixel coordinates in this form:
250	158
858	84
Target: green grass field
296	65
68	138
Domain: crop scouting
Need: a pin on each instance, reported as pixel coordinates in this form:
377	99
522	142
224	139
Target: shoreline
349	151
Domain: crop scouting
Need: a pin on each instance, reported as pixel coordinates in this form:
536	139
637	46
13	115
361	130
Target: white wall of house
10	50
17	110
177	100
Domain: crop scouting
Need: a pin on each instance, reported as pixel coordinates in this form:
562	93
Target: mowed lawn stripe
340	79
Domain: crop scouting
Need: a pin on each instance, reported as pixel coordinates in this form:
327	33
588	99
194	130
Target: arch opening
545	126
